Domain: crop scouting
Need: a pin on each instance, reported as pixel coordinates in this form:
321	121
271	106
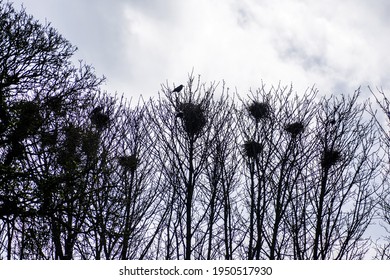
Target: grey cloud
158	9
139	44
293	52
243	13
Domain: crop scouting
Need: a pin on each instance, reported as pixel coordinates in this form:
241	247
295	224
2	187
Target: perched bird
178	89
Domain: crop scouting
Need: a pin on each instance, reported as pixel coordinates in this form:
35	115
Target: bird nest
295	128
100	119
129	163
193	117
252	149
330	158
259	110
54	103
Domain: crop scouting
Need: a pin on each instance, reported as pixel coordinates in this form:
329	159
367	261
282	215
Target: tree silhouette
40	95
206	174
382	246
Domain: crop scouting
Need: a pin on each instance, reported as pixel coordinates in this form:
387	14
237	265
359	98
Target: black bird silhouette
178	89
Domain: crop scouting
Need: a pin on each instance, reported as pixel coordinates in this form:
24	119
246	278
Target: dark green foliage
9	206
90	144
4	116
46	188
49	139
8	80
73	136
16	151
69	156
29	120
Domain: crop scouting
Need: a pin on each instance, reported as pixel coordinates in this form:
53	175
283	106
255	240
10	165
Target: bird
178	89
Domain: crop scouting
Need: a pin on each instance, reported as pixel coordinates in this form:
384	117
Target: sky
140	44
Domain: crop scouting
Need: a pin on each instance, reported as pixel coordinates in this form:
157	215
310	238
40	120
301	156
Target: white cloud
337	45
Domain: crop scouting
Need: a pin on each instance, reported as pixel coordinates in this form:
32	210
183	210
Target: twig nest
295	128
252	149
129	163
330	158
259	110
100	119
54	103
193	117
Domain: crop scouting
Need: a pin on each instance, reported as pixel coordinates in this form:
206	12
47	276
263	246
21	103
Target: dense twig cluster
330	158
193	117
260	110
295	128
252	149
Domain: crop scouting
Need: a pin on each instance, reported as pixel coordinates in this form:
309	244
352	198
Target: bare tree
190	175
274	125
342	190
382	118
41	95
185	132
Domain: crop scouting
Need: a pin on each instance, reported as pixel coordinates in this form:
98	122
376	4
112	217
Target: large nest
193	117
55	104
330	158
295	128
252	149
129	163
99	118
259	110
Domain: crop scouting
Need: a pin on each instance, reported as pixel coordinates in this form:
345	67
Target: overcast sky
140	44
